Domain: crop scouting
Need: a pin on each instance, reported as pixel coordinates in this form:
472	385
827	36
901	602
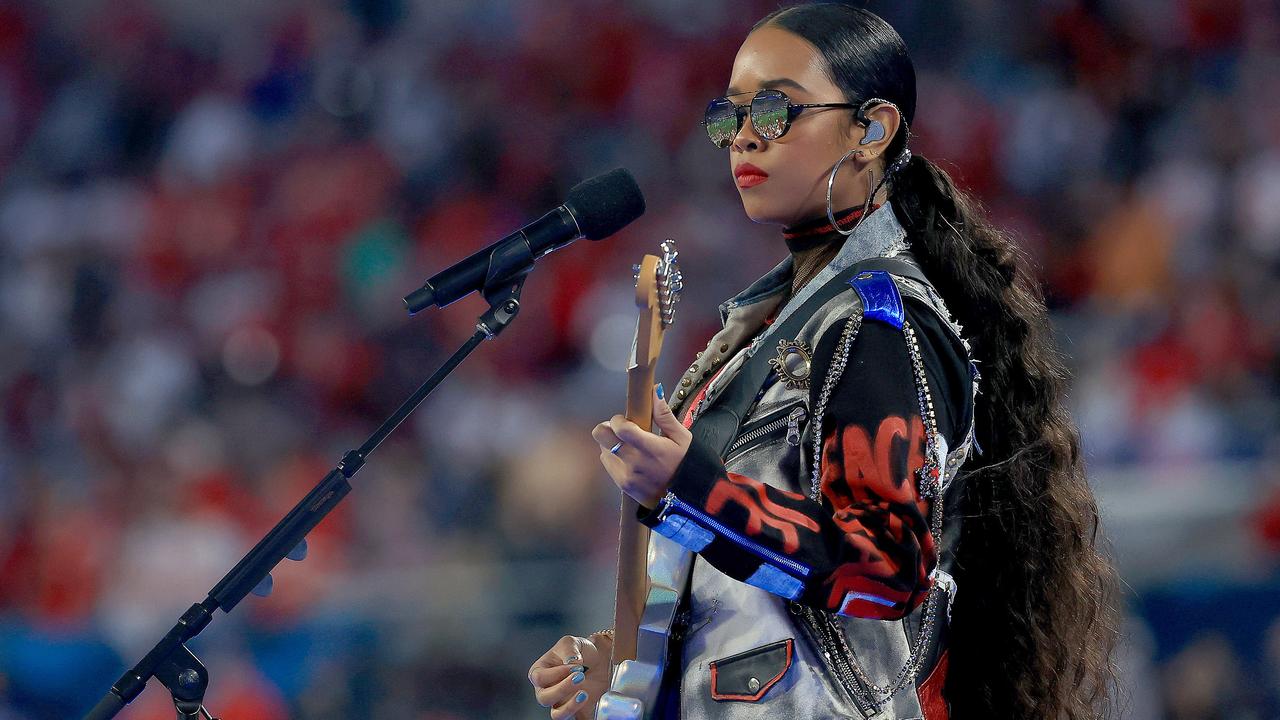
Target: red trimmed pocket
748	675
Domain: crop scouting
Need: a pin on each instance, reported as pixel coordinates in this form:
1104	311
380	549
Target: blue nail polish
578	669
661	395
578	678
581	697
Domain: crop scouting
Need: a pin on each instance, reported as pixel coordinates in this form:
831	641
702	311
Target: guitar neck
640	396
655	304
658	285
633	538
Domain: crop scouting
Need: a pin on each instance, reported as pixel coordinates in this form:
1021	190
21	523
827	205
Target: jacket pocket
786	422
747	676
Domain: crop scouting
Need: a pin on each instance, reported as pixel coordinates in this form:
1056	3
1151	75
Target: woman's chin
763	213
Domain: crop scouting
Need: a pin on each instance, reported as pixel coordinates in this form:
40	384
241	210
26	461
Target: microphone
595	209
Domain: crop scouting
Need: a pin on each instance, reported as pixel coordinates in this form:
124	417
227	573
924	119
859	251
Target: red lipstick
748	175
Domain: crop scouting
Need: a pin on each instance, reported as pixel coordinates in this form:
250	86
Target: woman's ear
882	124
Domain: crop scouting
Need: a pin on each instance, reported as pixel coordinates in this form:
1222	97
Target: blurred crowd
210	210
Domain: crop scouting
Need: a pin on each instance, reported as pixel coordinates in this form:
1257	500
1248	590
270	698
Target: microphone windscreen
606	203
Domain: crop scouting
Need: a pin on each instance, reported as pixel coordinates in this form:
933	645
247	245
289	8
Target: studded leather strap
717	425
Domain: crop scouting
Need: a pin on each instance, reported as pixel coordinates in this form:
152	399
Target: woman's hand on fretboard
643	465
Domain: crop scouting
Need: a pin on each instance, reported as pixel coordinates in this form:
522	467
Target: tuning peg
299	551
263	588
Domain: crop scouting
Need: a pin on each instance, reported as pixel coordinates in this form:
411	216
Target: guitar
650	569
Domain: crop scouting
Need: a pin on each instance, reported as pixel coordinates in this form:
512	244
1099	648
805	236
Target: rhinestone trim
929	483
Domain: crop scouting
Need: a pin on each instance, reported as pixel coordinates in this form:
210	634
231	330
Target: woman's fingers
570	706
565	653
668	423
631	434
562	692
617	463
543	678
619	428
604	436
553	675
560	677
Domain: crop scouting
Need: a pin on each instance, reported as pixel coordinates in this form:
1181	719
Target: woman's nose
746	138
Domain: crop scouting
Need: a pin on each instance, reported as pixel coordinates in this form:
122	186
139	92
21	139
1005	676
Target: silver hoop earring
866	206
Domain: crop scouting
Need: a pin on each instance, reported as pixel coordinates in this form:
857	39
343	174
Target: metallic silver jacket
824	671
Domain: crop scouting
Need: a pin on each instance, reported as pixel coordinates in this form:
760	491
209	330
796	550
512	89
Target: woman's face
798	163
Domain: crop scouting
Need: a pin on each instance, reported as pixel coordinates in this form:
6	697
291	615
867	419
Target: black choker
818	231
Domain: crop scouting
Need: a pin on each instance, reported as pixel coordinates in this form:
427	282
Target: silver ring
616	448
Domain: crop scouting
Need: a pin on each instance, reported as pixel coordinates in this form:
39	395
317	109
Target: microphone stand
170	661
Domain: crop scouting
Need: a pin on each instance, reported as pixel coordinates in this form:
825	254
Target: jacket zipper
833	652
791	421
670	502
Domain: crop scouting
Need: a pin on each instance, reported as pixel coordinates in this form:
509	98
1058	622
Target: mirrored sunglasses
771	114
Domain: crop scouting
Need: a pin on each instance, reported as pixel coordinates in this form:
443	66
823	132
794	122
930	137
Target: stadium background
209	212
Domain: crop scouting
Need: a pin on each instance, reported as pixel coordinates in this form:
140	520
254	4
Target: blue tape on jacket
880	298
685	532
770	578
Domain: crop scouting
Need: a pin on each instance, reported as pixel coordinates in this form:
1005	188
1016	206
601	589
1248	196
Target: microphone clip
509	266
504	305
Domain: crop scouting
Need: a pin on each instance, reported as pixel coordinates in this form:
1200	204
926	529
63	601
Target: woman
890	534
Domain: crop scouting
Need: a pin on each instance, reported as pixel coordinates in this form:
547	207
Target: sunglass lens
721	119
769	114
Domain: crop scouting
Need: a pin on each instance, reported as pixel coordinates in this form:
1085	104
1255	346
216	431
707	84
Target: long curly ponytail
1033	634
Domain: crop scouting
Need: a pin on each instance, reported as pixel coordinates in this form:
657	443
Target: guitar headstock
670	281
658	285
659	282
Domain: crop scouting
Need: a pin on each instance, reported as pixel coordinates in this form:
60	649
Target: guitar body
651	570
634	690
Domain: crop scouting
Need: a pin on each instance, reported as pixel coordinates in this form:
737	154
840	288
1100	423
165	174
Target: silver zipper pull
796	417
665	505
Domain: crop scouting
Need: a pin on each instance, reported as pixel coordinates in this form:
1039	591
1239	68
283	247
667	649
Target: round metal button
795	364
753	684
